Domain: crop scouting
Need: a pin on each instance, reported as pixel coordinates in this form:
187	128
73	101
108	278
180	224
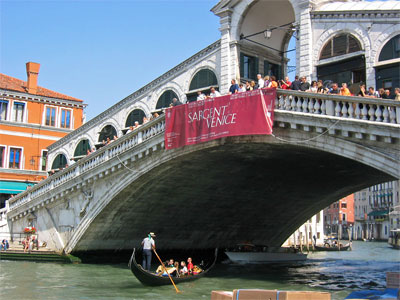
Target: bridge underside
224	195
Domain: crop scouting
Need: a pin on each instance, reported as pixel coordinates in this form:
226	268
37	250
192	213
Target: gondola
148	278
332	248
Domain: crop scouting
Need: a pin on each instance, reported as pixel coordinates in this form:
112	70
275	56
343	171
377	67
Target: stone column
226	50
304	44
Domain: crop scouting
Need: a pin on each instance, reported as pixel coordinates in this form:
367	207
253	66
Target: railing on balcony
368	109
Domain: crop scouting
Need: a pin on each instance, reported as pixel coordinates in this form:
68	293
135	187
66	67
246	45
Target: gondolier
148	244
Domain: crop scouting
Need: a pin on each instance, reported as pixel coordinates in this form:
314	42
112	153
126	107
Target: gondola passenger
184	270
190	266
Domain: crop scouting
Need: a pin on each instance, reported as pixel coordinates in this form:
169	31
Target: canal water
336	272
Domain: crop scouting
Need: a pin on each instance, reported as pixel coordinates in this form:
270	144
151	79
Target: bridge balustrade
360	108
367	109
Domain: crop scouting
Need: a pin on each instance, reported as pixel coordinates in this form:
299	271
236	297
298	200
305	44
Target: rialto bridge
219	193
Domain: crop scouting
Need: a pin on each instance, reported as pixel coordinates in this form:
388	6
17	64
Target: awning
13	187
377	213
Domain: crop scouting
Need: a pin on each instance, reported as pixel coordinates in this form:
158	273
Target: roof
360	6
14	84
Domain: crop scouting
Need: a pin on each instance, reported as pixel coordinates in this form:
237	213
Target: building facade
311	232
339	218
31	118
373	207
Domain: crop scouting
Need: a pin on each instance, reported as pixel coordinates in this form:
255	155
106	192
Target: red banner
246	113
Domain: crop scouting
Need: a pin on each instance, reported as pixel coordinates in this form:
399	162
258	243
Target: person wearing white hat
148	244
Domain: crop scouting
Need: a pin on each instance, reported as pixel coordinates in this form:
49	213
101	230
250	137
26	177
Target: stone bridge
222	192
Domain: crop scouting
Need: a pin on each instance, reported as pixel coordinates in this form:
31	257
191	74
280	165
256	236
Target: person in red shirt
190	265
285	84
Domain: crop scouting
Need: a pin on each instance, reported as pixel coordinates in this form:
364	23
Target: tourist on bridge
148	245
175	102
296	84
214	93
234	88
260	82
397	93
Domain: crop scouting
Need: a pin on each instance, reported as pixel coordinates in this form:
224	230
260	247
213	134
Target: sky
101	51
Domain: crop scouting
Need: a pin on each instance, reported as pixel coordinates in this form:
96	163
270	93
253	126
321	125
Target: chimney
32	71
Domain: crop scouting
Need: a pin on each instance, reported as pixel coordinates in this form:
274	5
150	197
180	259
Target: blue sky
102	50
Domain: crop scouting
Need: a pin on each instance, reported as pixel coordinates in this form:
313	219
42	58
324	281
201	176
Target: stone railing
368	109
104	154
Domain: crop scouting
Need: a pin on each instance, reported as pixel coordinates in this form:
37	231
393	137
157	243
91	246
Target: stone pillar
304	44
226	50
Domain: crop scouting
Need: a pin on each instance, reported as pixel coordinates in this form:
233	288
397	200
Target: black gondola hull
152	279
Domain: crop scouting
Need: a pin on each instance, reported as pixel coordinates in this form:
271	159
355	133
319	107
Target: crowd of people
177	269
30	243
301	84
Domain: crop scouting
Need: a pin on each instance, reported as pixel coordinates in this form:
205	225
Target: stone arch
196	71
135	114
244	7
326	36
59	161
326	143
381	41
81	143
107	130
172	86
191	92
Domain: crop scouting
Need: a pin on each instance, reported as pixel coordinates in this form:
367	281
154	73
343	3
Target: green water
335	272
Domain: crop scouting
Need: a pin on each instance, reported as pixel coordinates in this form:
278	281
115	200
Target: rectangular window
43	161
344	205
318	217
65	118
3	110
15	158
50	116
18	112
248	66
2	156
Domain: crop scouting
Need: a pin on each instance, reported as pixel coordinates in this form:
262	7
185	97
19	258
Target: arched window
387	73
166	99
135	115
201	82
59	162
203	79
82	148
107	132
340	44
391	49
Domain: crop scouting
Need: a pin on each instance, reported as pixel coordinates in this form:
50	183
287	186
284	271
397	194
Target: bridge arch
201	80
136	114
82	146
284	179
59	162
165	99
107	131
327	36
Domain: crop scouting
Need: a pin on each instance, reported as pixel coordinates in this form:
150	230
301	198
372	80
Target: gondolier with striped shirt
148	244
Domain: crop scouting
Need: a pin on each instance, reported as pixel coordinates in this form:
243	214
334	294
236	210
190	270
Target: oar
165	269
